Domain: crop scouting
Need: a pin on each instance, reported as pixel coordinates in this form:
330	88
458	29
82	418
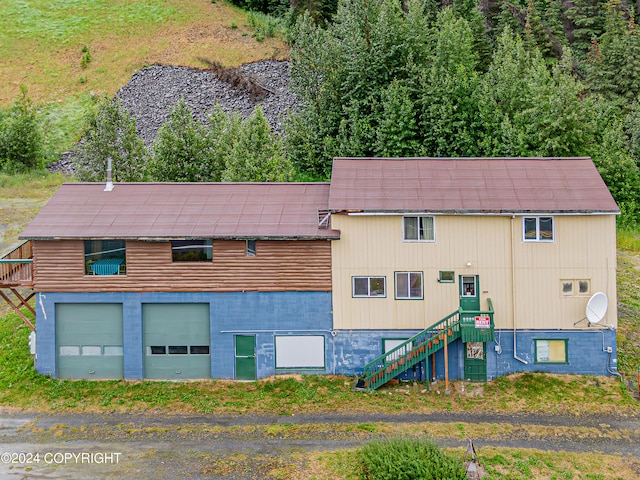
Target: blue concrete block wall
586	352
355	348
262	314
266	315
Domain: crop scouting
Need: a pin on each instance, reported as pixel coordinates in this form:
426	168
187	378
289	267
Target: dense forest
416	78
406	78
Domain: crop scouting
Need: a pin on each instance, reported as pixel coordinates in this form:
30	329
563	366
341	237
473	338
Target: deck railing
16	266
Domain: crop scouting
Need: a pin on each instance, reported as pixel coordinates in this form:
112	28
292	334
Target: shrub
407	459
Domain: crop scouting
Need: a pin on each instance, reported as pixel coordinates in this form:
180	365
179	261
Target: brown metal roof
179	210
469	185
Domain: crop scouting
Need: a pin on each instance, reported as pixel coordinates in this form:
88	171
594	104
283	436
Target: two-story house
393	260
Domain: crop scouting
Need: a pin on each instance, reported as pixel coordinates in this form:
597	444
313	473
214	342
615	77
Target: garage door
89	340
176	340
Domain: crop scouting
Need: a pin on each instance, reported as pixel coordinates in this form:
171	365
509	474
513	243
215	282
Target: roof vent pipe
109	186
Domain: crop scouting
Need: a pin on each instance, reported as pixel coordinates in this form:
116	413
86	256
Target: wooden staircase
458	324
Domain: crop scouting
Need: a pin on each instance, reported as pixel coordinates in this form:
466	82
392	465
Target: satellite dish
597	307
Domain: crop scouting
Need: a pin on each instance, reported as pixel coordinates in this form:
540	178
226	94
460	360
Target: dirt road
150	446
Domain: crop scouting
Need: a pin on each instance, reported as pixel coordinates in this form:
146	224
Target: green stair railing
409	353
458	324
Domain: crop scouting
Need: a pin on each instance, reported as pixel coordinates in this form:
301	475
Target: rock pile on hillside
154	90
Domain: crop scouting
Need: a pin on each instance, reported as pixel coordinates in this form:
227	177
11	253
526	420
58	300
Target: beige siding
519	277
278	266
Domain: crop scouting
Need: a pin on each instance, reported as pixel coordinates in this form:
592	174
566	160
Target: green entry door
245	357
469	292
89	340
176	340
475	362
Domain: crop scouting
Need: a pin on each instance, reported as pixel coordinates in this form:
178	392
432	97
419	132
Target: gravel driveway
154	446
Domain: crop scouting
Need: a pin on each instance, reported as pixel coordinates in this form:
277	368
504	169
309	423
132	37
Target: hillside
42	43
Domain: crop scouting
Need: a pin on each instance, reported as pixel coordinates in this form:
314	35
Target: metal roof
183	210
295	210
469	185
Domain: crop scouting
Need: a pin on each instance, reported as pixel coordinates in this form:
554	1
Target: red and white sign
483	322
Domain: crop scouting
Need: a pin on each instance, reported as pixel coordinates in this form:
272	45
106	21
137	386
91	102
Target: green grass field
66	53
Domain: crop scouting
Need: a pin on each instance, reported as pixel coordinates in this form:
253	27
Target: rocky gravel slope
154	90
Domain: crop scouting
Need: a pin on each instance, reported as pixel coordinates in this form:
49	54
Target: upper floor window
537	229
419	229
251	248
191	250
369	286
409	285
104	257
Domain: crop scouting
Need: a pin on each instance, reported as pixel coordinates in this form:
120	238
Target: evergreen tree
620	172
257	154
182	151
111	134
447	106
613	68
21	136
340	75
397	134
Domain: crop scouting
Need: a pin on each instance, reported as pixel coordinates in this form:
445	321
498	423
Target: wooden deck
16	267
16	280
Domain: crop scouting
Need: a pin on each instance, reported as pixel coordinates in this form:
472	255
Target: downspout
513	295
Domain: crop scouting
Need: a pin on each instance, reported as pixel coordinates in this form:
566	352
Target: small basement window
551	351
198	250
105	257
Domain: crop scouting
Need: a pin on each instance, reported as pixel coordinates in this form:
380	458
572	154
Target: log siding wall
280	265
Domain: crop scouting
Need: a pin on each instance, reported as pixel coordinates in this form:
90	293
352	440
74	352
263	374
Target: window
419	229
468	286
446	276
178	350
251	248
113	350
199	349
191	250
91	350
299	351
104	257
369	287
537	229
551	351
570	288
409	285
